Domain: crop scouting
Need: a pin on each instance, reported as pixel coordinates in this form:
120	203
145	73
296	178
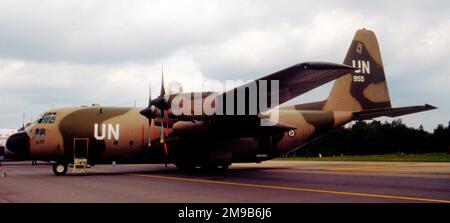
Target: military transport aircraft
158	134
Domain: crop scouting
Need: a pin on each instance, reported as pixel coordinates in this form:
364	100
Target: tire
60	168
187	167
223	167
215	167
185	164
209	167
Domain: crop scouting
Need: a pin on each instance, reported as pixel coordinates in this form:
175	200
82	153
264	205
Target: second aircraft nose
19	143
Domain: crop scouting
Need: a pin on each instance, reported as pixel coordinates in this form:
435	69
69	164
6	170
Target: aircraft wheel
60	168
208	167
223	166
187	164
215	166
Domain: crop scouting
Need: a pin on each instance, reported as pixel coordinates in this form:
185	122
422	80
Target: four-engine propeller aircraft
159	134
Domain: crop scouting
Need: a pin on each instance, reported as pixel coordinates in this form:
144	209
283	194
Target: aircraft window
42	133
47	118
39	120
37	135
52	119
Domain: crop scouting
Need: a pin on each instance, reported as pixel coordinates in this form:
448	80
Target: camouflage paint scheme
223	141
132	145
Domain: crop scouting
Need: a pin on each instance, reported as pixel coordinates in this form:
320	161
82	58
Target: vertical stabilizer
365	88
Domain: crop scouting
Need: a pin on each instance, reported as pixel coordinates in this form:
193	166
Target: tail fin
365	88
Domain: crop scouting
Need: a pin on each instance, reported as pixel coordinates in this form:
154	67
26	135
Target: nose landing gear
60	168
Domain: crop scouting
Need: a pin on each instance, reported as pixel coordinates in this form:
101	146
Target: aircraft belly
244	149
215	149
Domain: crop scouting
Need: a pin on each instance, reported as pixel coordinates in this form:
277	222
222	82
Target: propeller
162	105
149	119
23	120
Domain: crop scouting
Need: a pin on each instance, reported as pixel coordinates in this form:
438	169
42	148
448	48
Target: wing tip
430	107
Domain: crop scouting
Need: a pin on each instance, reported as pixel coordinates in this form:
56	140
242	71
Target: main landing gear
187	166
60	168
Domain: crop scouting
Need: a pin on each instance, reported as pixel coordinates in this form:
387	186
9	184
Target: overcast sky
69	53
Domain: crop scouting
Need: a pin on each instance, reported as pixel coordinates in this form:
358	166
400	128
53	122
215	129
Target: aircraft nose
19	143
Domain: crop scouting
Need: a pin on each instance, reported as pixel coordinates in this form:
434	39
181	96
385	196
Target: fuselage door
80	154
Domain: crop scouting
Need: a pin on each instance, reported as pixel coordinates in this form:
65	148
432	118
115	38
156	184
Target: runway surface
271	181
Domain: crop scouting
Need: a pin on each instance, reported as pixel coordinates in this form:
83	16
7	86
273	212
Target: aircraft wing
292	82
391	112
295	80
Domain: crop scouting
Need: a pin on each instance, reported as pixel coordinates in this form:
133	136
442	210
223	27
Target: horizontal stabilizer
391	112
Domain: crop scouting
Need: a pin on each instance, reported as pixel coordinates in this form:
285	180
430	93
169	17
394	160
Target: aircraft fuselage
121	134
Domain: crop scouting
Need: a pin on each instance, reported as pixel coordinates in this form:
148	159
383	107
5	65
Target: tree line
372	138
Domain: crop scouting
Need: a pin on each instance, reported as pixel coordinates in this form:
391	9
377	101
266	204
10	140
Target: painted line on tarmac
291	188
374	167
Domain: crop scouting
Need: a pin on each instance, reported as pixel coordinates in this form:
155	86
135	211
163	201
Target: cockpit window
47	118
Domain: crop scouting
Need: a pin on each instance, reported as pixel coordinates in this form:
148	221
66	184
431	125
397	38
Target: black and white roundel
291	133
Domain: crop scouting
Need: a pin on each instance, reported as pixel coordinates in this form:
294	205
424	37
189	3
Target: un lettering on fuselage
112	131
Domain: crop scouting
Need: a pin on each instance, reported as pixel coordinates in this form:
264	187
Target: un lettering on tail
365	91
365	88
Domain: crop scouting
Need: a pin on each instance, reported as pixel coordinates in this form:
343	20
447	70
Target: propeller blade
149	94
163	90
167	124
147	112
161	139
149	132
149	119
166	150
